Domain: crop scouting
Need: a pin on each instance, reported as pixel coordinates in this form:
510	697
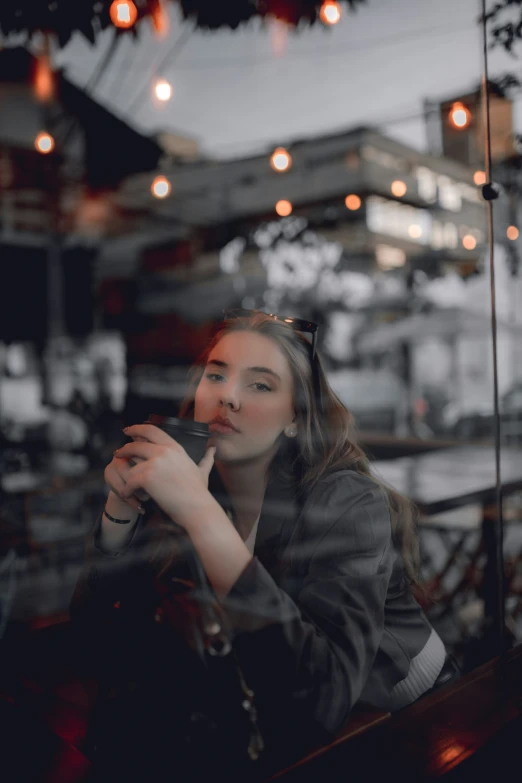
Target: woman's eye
213	376
261	386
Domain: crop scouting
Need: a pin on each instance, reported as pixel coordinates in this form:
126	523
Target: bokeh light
161	187
352	202
280	160
44	143
512	233
283	208
479	177
459	116
398	188
330	12
163	90
469	242
123	13
160	19
44	79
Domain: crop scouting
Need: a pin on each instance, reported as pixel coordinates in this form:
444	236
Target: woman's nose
230	399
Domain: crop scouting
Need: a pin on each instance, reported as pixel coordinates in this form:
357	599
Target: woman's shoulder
347	511
347	485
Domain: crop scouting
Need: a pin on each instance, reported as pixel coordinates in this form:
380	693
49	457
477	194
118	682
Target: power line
330	51
174	51
370	123
362	45
119	75
103	63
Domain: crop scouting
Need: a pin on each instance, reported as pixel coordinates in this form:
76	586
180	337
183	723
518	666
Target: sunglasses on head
300	325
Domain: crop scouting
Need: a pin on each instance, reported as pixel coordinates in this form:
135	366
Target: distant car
478	423
378	399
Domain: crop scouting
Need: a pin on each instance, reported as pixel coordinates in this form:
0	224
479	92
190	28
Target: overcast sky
233	93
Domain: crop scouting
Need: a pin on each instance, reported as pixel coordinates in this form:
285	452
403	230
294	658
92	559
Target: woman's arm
220	548
115	537
108	562
311	658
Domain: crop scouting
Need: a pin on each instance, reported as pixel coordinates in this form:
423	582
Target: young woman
311	560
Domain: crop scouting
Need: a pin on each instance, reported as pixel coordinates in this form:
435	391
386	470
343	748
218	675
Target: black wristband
118	521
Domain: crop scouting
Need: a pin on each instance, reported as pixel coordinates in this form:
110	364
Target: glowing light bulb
44	143
280	159
415	231
44	80
330	12
398	188
160	19
469	242
161	187
512	233
283	208
352	202
123	13
479	177
163	90
459	116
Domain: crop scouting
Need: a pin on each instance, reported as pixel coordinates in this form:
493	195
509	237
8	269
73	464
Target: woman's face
247	380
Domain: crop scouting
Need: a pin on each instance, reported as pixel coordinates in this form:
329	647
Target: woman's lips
223	429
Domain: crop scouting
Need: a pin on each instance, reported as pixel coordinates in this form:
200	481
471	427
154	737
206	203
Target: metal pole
493	528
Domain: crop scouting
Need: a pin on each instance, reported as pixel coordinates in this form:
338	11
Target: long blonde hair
326	439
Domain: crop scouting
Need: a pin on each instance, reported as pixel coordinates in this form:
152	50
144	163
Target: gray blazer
321	619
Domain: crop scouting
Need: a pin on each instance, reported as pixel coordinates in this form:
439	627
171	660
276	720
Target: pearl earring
290	432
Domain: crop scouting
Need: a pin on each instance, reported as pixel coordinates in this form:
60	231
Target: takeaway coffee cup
192	435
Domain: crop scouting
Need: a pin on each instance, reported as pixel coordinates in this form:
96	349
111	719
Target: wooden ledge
360	722
425	740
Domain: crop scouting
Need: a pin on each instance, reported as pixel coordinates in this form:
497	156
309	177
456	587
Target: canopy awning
443	324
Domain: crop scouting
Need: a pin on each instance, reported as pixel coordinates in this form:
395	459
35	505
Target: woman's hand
116	474
165	472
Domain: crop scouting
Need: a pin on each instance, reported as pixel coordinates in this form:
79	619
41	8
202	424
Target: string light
398	188
330	12
160	19
163	90
352	202
123	13
415	231
469	242
479	177
283	208
280	160
161	187
43	78
44	143
512	233
278	36
459	116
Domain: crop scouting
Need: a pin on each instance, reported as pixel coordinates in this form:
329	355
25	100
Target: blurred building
466	145
391	209
61	157
387	212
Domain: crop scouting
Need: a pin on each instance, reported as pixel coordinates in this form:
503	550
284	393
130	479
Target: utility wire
169	57
103	63
124	70
368	44
178	45
322	51
371	122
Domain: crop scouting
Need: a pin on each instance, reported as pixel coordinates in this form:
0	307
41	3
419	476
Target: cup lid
188	425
